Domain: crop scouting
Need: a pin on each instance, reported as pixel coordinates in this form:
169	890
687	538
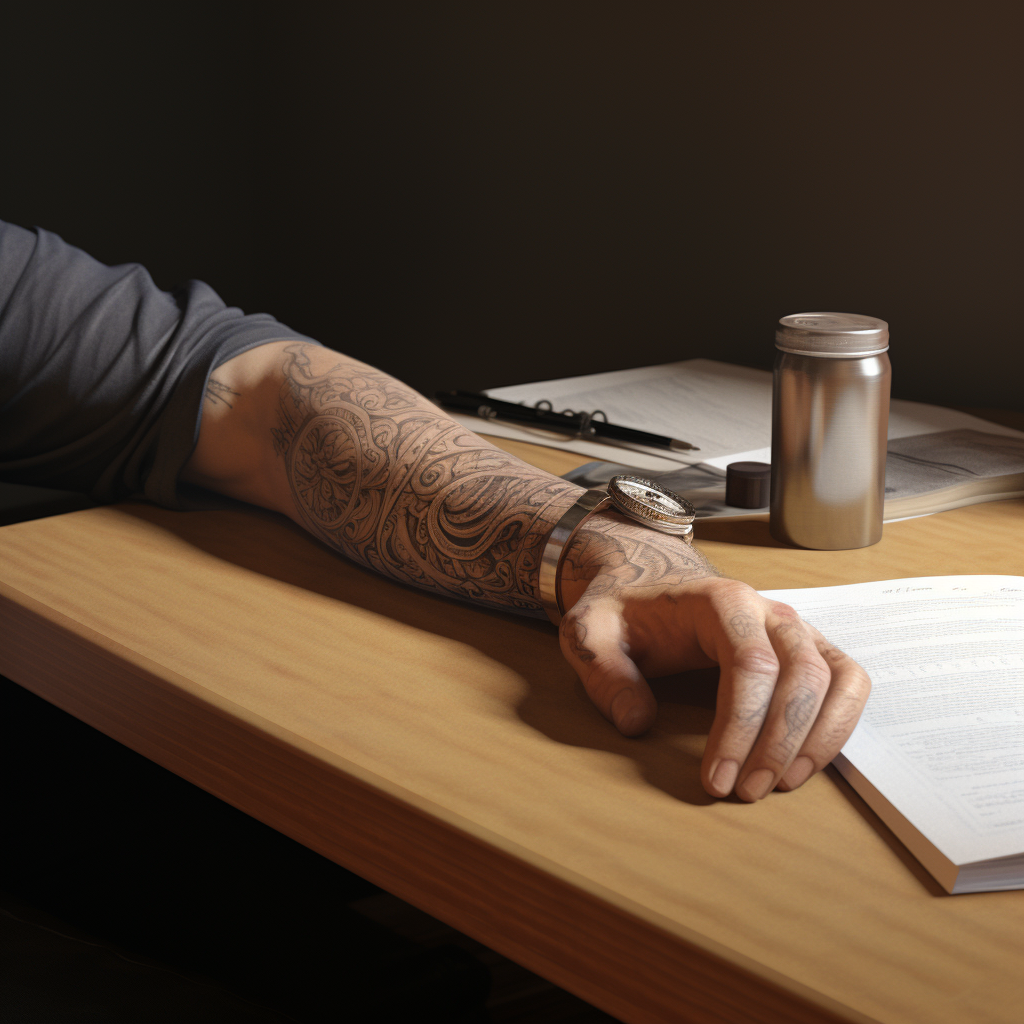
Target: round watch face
650	504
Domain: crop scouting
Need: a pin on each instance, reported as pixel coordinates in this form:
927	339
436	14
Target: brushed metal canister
830	416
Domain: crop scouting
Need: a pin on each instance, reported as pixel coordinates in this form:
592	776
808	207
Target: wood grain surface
449	755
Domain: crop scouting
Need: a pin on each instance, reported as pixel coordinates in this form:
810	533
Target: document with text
938	458
721	408
939	751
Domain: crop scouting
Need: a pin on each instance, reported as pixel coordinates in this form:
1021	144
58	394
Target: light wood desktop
449	755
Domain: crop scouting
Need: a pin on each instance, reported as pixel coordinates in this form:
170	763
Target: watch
641	500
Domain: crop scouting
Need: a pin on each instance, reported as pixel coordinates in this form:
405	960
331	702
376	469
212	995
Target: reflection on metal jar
830	413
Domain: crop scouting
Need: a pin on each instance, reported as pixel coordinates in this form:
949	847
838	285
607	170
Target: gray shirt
102	374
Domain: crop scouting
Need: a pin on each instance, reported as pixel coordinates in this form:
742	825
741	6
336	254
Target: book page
718	407
948	458
942	736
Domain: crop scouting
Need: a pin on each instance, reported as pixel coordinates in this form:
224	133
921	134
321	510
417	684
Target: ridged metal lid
832	334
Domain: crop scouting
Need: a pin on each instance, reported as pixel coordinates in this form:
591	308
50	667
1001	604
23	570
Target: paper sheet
723	409
942	736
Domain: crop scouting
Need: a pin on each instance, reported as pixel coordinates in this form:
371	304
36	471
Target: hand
643	605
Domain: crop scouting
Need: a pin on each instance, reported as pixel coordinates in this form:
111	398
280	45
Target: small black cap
747	483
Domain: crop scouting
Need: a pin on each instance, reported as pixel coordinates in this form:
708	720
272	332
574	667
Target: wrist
638	500
620	553
596	548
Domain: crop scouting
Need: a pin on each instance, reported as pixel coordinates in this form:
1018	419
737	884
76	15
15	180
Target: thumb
592	638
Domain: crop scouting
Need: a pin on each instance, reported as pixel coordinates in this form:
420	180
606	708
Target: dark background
479	194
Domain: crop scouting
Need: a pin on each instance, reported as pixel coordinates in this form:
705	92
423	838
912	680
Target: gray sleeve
102	374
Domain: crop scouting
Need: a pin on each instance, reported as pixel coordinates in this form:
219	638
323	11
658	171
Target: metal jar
830	416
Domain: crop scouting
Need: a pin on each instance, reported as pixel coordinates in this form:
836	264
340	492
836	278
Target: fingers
799	692
847	694
750	669
592	639
788	701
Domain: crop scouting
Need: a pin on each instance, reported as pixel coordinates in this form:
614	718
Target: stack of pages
938	458
939	751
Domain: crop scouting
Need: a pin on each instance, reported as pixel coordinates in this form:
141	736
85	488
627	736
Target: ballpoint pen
577	424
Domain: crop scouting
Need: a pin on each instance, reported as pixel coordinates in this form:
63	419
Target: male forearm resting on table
387	479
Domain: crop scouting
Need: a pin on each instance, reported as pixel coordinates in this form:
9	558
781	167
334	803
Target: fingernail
724	777
799	772
625	711
756	785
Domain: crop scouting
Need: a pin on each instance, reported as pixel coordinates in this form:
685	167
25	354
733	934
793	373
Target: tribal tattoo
629	554
219	393
611	553
382	476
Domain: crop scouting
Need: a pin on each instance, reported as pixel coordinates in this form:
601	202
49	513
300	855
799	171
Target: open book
939	751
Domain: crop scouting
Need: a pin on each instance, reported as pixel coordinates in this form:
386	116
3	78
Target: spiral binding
585	417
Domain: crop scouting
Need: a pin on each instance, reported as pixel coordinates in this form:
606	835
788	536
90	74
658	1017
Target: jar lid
832	334
747	484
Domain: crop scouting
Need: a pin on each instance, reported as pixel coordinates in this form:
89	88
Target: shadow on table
909	861
668	757
751	533
555	704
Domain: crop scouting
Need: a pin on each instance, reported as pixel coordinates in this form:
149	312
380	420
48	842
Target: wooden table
449	755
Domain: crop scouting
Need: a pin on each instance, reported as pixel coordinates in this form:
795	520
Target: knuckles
856	687
756	660
785	612
812	671
731	596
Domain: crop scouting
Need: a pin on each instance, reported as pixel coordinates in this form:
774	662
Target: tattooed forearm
218	393
384	477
